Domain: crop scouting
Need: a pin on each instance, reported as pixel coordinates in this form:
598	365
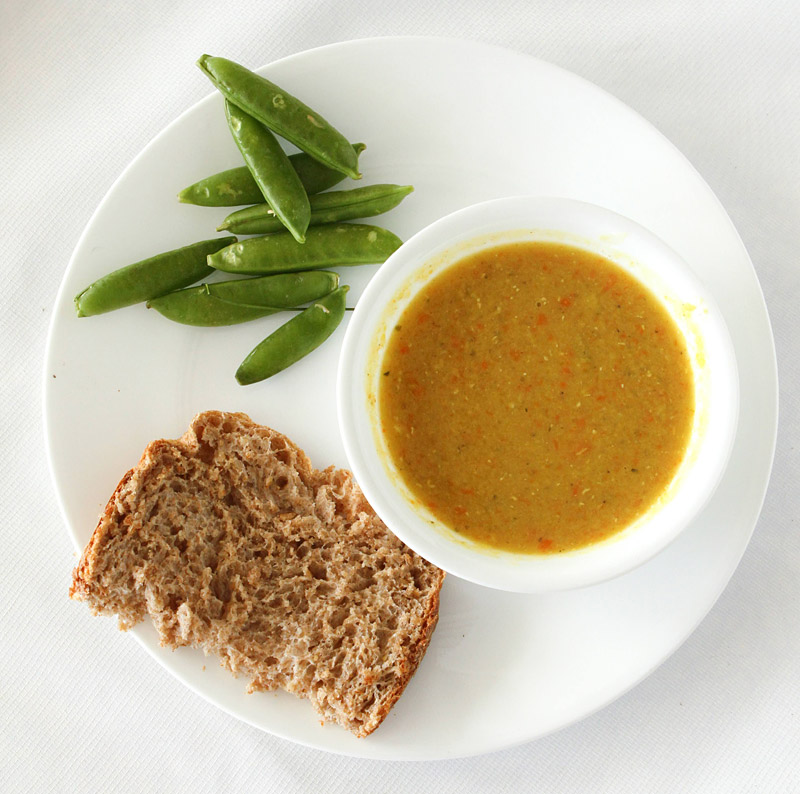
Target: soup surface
536	398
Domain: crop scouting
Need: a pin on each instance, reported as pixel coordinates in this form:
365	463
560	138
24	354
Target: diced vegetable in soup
536	398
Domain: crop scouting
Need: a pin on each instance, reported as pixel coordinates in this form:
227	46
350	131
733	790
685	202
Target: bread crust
411	664
253	524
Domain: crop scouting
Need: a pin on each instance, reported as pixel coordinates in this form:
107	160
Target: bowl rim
441	244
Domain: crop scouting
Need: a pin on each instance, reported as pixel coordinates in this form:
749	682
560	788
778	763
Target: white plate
463	122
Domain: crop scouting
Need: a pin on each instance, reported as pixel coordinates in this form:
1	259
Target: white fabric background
83	87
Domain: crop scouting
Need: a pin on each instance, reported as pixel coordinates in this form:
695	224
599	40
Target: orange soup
536	398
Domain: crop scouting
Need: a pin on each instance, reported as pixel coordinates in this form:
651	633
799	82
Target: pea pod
337	205
282	113
242	300
325	246
149	278
236	186
294	339
272	171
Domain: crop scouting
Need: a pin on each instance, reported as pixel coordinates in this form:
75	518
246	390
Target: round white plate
463	122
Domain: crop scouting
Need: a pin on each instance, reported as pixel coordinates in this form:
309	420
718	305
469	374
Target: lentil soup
536	398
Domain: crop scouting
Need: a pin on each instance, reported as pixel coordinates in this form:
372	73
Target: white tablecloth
83	87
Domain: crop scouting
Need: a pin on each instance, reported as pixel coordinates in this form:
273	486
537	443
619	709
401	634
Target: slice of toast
232	542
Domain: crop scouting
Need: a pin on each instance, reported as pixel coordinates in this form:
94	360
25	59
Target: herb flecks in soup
536	398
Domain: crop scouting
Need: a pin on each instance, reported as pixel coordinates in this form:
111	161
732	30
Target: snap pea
282	113
149	278
236	186
327	245
272	171
242	300
336	205
294	339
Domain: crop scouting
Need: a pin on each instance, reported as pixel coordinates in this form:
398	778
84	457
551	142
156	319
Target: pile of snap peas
301	230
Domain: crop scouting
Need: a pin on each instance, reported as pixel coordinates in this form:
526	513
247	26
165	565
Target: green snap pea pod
337	205
294	339
149	278
197	306
272	171
325	246
282	113
242	300
236	186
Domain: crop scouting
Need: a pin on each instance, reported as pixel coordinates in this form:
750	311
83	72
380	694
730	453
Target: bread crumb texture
232	542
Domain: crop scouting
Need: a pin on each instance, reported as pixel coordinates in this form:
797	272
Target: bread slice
232	542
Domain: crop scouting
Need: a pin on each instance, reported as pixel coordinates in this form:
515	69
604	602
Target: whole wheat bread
232	542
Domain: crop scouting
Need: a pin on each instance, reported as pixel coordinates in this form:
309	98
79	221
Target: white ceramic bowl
633	248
